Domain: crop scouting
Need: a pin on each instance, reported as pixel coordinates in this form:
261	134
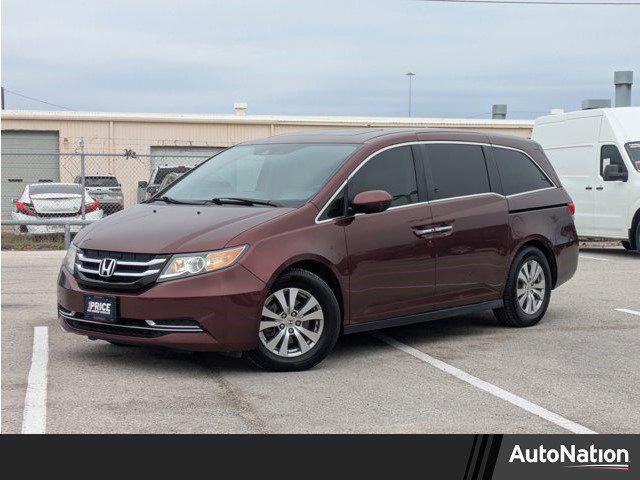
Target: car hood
158	228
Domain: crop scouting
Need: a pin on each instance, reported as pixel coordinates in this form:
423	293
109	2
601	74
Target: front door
392	265
471	225
611	197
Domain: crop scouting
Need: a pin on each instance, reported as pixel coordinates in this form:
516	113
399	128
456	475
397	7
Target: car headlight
70	258
189	264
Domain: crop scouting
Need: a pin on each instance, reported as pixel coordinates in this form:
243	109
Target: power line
534	2
37	100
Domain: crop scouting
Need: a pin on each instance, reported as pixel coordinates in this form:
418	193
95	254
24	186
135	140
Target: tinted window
335	209
392	171
457	170
610	155
518	173
99	181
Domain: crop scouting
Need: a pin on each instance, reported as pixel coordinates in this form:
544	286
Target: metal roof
324	120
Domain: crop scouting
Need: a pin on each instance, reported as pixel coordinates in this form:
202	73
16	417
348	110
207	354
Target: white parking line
596	258
626	310
487	387
34	418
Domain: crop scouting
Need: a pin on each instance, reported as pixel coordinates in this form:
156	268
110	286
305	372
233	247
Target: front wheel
300	323
528	290
634	240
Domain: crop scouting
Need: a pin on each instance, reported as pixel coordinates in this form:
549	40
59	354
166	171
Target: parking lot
578	370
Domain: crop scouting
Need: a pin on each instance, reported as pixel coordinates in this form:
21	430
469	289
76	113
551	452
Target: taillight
24	208
572	208
91	207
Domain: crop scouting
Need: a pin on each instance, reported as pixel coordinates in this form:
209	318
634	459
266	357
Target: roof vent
499	112
592	103
240	108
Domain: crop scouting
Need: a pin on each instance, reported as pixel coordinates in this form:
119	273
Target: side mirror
371	201
613	173
143	184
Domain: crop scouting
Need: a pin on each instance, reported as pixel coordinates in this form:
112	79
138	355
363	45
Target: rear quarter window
519	174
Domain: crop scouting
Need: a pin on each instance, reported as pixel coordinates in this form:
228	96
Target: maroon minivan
277	246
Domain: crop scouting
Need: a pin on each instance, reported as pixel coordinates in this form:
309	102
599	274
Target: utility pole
410	75
2	98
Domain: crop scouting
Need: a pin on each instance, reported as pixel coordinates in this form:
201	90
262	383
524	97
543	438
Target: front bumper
222	309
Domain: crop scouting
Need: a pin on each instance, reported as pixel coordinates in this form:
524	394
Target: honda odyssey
277	246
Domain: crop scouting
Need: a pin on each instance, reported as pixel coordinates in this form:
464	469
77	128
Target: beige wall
115	132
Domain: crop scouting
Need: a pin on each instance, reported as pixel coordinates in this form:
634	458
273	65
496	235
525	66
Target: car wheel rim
292	322
531	287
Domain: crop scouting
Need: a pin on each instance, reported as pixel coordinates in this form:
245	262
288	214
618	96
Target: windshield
164	171
633	149
286	174
47	188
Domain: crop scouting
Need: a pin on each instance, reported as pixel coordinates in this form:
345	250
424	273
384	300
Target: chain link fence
48	197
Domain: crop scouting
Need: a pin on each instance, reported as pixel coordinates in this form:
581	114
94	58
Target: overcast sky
302	57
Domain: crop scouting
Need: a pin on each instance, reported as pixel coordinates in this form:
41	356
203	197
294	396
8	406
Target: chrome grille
106	269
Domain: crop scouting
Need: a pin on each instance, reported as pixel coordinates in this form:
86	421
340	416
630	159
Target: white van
597	156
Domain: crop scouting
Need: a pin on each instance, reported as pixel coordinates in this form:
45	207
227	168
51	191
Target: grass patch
11	241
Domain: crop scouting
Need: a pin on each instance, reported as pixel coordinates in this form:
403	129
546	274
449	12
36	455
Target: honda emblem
107	267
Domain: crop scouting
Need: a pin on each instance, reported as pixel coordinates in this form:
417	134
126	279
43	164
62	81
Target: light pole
410	75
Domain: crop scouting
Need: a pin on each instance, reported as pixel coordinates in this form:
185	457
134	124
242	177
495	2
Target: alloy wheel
531	287
292	322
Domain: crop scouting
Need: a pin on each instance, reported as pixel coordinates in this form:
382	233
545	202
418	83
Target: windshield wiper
241	201
174	201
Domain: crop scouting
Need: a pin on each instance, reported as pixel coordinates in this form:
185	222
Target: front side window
284	174
519	174
456	170
392	171
633	149
610	155
336	207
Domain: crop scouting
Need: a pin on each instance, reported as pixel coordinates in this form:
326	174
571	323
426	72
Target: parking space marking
626	310
487	387
596	258
34	418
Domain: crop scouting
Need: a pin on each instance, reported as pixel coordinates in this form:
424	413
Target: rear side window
519	174
456	170
392	171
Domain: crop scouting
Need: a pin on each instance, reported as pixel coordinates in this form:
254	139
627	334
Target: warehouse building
44	145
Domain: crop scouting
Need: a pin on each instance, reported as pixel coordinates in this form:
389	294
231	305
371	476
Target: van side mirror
613	173
371	201
143	184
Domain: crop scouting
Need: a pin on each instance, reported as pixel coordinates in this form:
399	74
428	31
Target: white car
597	156
50	201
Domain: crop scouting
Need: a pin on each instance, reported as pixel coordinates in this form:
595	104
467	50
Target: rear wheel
300	323
528	290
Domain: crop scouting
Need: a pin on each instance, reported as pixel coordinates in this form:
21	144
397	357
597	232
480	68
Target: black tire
633	244
512	314
305	280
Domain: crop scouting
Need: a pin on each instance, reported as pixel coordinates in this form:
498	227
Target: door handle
423	232
588	188
599	188
443	228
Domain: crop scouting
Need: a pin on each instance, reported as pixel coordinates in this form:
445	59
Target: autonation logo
592	457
